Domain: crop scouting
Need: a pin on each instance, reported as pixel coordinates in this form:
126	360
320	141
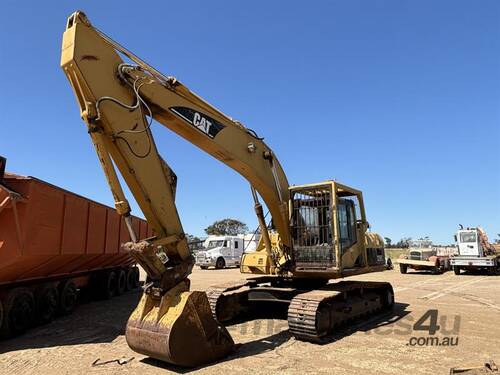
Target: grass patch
394	253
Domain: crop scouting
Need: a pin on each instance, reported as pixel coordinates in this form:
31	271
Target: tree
226	227
388	241
194	243
191	238
404	242
498	239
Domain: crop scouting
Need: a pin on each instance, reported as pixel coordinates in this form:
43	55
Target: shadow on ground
275	340
422	272
249	349
91	322
478	273
450	272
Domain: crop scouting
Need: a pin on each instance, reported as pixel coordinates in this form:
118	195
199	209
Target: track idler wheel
178	328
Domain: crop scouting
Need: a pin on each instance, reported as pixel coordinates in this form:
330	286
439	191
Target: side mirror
455	237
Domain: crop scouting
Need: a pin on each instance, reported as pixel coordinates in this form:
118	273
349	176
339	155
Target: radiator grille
415	255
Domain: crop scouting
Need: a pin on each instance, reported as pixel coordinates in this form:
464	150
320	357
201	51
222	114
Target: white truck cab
468	243
474	252
221	252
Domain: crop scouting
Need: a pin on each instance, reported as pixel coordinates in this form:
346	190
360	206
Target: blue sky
400	99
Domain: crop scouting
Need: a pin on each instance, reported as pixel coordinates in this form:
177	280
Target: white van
221	252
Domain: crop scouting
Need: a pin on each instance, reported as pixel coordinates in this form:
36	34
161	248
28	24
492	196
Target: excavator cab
328	228
312	224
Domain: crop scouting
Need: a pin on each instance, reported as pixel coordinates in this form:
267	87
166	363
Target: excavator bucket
178	328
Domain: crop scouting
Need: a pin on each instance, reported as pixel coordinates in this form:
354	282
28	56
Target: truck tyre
388	299
68	297
403	268
121	282
437	270
108	285
19	312
130	279
456	269
47	301
220	263
1	315
136	277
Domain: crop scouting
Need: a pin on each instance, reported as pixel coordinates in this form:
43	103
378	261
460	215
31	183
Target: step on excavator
318	231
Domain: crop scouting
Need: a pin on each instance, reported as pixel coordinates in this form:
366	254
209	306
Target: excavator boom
114	98
118	101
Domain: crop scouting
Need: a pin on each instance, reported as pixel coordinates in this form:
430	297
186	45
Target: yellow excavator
318	232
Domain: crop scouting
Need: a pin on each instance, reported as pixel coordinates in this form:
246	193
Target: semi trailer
53	245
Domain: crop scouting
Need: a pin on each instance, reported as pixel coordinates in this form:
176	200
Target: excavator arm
118	101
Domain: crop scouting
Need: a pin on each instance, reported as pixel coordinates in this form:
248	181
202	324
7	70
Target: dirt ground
468	309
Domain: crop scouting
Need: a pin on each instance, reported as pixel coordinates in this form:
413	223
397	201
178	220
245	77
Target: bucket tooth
178	328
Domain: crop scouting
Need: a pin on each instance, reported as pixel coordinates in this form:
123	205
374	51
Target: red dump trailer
54	244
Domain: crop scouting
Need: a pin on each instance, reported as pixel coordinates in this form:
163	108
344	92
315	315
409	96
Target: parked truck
54	244
422	256
475	252
221	252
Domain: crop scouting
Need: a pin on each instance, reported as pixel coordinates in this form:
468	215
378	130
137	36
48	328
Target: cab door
237	250
227	252
468	243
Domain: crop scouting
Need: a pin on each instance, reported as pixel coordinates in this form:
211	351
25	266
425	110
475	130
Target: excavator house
318	231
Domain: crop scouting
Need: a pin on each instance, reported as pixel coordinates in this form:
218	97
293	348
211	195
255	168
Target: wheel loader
319	231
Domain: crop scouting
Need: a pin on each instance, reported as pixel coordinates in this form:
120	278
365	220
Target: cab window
347	223
468	237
